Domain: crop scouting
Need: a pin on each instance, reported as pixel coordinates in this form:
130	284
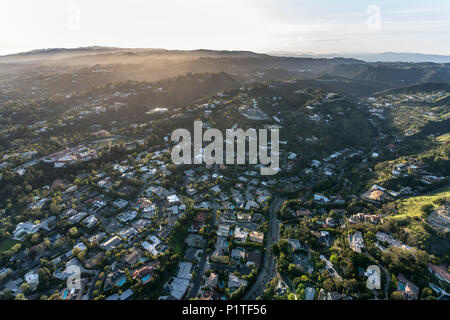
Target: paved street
201	268
268	270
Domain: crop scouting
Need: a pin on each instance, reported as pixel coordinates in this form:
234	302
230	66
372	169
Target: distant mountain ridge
377	57
366	57
101	65
58	53
423	87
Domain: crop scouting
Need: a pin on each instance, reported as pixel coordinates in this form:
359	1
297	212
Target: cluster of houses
128	226
26	228
59	159
362	217
70	156
389	100
414	166
392	242
118	223
107	223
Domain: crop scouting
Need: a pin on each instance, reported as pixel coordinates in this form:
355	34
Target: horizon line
268	52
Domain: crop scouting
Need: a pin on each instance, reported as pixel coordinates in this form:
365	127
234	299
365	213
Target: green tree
334	259
426	209
55	296
276	249
20	296
73	231
25	288
328	284
44	279
397	295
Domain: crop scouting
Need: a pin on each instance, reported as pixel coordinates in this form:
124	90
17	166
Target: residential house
356	241
256	236
240	235
111	244
409	290
234	282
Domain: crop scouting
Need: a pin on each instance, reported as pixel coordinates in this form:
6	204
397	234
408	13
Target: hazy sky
319	26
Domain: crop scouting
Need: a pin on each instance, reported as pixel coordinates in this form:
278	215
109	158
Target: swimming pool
122	281
66	292
146	278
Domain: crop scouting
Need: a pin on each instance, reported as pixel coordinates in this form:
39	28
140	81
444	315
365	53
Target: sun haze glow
260	25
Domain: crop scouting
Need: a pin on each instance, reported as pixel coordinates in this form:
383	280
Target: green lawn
410	207
7	244
444	138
